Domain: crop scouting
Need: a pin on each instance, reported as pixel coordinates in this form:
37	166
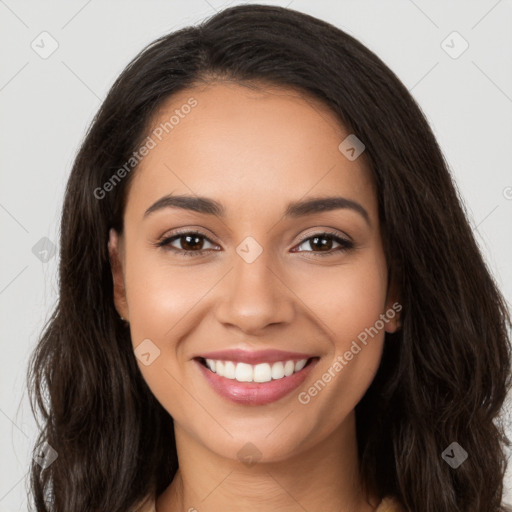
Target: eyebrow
295	209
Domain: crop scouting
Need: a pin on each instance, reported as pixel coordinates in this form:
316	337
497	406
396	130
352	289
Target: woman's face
268	279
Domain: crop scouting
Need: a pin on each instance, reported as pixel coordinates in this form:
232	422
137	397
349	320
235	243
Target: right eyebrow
195	203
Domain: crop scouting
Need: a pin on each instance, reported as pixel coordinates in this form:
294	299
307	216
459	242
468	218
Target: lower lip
255	393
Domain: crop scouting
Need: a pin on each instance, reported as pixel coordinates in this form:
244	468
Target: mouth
262	372
256	384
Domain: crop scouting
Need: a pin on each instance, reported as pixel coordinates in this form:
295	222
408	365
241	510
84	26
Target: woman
203	355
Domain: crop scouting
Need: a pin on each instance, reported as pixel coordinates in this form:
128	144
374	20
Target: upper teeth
263	372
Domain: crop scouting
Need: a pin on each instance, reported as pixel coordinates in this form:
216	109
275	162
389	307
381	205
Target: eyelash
345	245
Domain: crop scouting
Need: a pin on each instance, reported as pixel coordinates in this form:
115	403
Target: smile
257	384
263	372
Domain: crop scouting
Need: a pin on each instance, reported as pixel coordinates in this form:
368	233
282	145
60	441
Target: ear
393	307
116	256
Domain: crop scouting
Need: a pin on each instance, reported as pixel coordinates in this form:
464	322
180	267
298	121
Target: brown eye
191	243
188	243
323	243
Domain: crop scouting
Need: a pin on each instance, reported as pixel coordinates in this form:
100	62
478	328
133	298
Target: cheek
160	295
349	303
347	299
164	300
161	302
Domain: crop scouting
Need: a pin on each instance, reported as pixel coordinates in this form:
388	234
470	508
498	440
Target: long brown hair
443	377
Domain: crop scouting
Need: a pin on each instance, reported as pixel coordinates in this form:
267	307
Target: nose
254	296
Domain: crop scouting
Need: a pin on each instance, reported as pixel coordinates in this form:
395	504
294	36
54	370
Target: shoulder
148	505
386	505
389	504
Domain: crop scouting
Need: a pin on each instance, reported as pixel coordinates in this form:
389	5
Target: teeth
263	372
229	369
300	364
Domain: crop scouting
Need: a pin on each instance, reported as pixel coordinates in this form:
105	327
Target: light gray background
46	105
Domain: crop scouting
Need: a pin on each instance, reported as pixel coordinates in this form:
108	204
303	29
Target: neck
324	477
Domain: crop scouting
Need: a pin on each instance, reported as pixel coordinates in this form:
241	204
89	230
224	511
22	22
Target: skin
254	151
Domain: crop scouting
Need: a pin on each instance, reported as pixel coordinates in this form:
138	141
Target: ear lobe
395	324
116	266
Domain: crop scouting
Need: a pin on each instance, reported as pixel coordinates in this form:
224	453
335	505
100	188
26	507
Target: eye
190	243
324	242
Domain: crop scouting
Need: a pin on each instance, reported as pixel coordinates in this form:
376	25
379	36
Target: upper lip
254	357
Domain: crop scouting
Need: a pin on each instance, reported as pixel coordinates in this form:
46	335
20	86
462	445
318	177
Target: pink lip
255	357
255	393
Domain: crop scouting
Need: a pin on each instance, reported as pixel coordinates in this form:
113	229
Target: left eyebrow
325	204
295	209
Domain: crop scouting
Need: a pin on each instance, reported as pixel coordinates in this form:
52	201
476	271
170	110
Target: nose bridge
254	294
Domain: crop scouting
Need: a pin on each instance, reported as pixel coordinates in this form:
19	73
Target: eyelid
345	241
197	231
167	238
326	231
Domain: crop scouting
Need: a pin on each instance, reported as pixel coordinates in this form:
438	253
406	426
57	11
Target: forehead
247	146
